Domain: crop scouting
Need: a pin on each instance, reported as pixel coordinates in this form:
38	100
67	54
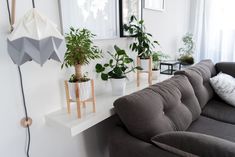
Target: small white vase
155	74
144	64
118	86
84	90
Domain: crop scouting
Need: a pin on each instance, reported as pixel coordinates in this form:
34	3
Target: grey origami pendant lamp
33	38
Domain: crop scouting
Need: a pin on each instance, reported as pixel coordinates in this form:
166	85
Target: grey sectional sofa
181	116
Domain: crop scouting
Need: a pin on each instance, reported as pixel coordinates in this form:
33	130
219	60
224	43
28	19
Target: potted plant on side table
157	57
142	44
80	51
116	70
186	52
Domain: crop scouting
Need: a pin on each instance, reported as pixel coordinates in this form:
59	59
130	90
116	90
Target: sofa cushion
188	144
224	85
199	76
219	110
226	67
122	144
213	127
167	106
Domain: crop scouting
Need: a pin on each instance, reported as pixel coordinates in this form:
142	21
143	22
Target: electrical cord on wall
22	88
25	111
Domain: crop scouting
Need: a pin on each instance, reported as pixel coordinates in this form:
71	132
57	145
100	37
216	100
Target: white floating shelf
104	109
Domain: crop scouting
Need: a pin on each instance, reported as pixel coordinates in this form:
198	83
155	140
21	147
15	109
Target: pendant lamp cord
25	111
22	90
33	3
9	15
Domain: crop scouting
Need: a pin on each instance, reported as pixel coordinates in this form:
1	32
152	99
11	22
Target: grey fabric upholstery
188	144
172	106
123	144
199	76
219	110
226	67
168	106
213	127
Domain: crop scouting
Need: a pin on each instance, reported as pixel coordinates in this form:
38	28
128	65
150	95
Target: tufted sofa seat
199	76
183	112
172	105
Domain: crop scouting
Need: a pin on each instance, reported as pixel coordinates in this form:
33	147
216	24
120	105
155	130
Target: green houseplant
186	52
143	43
157	57
116	70
80	51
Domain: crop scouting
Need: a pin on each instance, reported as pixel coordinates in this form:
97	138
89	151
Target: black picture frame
139	7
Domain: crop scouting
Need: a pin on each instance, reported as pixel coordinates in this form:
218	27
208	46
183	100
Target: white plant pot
84	90
144	64
118	86
155	74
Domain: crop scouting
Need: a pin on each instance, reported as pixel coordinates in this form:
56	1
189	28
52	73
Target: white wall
169	26
44	88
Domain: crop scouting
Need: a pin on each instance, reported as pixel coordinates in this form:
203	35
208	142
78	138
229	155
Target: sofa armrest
192	144
226	67
124	145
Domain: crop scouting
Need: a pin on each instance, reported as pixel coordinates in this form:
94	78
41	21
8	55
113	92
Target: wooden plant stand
149	72
78	100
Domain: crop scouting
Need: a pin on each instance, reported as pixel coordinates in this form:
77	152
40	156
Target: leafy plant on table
143	44
156	57
80	51
186	52
118	66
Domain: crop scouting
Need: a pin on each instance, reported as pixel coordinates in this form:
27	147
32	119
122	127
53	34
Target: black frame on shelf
121	23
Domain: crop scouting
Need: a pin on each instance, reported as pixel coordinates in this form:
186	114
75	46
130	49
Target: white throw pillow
224	86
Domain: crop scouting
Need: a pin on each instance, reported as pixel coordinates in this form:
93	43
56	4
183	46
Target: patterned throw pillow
224	86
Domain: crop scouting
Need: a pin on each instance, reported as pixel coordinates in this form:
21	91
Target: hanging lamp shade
35	38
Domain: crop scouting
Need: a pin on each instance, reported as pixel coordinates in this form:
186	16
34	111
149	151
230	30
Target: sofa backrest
199	76
167	106
226	67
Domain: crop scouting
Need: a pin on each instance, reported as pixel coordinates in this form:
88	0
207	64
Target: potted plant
116	70
186	52
142	44
80	51
157	57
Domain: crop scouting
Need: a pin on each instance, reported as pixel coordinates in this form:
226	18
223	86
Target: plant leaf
117	71
99	68
139	68
104	76
128	60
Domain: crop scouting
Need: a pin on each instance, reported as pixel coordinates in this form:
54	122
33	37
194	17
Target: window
99	16
127	9
214	29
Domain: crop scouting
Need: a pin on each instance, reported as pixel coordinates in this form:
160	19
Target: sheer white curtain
213	25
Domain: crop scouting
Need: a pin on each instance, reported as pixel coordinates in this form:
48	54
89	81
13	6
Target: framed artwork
99	16
127	8
158	5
